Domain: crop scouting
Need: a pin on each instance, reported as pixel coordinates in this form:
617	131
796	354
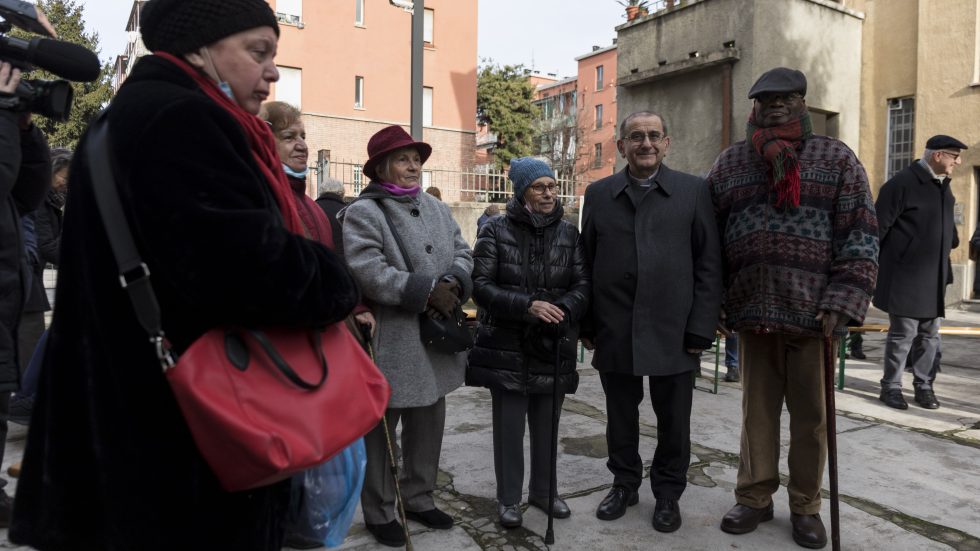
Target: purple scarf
399	191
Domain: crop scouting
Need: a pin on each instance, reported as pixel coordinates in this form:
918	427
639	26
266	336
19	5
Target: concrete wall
656	70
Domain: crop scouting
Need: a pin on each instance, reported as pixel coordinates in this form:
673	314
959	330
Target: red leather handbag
261	405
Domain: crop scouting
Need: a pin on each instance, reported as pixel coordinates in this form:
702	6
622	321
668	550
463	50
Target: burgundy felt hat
387	140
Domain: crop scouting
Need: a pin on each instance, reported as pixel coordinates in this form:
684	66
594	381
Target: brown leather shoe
742	519
14	470
808	531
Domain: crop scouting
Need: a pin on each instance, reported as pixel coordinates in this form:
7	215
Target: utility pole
418	30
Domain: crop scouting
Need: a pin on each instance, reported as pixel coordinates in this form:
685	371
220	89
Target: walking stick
828	368
391	458
549	535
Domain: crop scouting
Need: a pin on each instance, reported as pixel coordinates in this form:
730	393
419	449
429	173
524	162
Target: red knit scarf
260	139
777	144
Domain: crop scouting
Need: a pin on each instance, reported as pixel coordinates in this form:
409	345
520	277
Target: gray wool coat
656	273
418	375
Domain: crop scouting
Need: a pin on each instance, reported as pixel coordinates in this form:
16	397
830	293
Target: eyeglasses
638	137
540	188
952	155
781	98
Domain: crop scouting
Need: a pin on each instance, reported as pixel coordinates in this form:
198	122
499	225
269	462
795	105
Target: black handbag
449	335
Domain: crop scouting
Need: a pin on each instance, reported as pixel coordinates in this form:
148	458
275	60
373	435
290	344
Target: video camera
50	98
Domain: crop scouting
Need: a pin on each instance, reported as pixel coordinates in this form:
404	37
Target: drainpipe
726	105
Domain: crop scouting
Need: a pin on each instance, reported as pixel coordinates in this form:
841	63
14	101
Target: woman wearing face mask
420	376
110	462
532	285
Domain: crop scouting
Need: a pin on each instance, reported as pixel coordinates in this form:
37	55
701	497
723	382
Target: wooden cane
391	457
828	368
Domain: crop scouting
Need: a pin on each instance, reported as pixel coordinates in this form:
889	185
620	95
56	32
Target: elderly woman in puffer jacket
531	282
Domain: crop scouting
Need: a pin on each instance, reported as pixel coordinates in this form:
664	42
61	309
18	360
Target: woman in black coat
532	286
110	462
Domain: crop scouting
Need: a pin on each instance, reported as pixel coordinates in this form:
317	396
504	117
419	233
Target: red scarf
777	144
260	139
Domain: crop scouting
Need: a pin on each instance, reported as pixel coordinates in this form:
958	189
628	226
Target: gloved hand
442	300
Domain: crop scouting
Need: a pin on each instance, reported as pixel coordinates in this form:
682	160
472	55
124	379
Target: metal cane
828	368
391	457
549	535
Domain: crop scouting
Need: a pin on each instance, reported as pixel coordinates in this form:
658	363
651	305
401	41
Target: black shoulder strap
398	239
134	275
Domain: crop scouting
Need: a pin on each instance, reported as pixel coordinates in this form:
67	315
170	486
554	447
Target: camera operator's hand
43	20
9	78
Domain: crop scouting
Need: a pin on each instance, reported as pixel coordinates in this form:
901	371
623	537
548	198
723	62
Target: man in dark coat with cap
799	244
651	240
915	220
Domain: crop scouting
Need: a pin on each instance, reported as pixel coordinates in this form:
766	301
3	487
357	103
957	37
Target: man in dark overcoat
915	224
651	240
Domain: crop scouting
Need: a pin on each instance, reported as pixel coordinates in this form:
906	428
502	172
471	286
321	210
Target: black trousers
671	396
510	410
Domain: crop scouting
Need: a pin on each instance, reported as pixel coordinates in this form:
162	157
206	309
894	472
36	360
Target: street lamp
417	8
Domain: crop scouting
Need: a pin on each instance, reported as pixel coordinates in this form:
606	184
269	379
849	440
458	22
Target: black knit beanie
182	26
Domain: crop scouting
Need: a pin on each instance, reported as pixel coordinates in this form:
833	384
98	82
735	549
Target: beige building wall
332	49
926	49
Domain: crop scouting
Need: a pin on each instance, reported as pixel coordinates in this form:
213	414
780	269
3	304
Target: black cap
182	26
942	141
779	81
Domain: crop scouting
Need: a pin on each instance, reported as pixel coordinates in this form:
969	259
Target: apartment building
347	65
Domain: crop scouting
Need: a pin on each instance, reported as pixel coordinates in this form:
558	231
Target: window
426	106
359	13
597	156
598	116
901	132
598	78
429	22
359	92
289	12
290	86
426	179
358	178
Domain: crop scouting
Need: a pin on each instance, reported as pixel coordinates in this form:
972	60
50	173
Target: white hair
927	153
332	185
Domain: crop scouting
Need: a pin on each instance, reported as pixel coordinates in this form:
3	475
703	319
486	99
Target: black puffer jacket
518	258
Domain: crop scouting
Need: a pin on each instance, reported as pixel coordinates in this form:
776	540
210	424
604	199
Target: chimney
596	48
615	40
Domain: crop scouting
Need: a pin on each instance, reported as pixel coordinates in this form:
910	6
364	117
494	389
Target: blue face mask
294	174
226	88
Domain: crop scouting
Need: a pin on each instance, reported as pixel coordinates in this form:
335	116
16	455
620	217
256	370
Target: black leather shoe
666	515
391	534
808	531
433	518
732	376
893	398
510	515
615	503
926	398
857	354
560	509
294	541
742	519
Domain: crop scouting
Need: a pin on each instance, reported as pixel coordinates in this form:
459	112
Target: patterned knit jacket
784	265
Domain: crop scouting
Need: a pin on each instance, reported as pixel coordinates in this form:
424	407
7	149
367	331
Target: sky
546	35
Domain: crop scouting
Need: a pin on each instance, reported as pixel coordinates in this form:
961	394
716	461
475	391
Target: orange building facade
598	116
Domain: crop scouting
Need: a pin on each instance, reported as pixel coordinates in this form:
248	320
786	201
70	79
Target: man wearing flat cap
915	220
800	247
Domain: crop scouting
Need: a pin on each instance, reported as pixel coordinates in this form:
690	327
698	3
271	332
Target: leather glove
443	298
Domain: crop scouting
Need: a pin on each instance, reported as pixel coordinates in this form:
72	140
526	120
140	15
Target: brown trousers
777	366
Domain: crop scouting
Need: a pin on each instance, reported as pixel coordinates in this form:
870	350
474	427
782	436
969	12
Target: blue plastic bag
329	496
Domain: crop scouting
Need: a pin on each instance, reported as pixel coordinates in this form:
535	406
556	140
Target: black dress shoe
510	515
391	534
294	541
615	503
559	510
742	519
433	518
926	398
666	515
732	376
857	354
892	397
808	531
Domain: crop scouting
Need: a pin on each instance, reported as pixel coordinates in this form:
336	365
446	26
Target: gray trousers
901	334
421	444
509	412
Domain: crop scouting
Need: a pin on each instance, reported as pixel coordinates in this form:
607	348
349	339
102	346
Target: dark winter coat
656	273
37	299
110	462
25	176
975	251
48	220
332	204
915	225
519	258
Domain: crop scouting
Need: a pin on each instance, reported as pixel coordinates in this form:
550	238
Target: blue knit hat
524	171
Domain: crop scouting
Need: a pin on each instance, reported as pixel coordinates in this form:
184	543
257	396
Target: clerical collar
647	182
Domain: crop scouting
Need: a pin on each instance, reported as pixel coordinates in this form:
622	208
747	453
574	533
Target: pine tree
89	97
504	101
